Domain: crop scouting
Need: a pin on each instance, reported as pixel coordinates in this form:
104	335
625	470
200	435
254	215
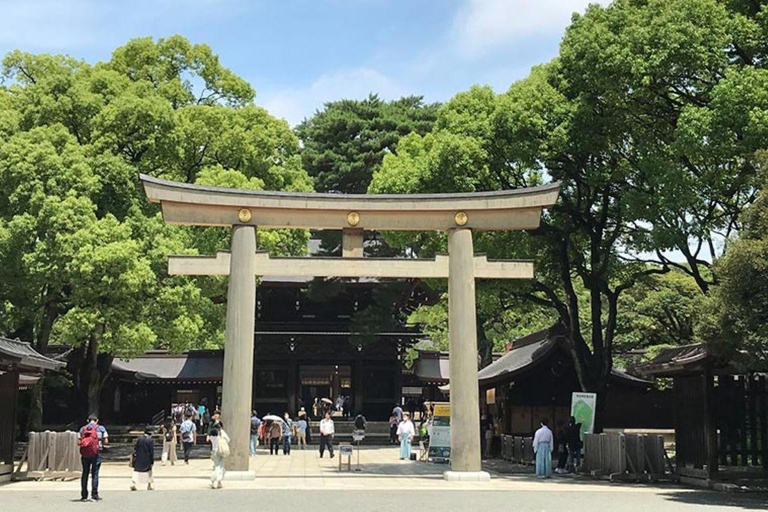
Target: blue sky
299	54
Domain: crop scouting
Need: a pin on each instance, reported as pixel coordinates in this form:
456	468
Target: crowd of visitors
279	433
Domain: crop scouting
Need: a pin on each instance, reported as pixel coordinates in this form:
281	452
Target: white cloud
295	104
482	25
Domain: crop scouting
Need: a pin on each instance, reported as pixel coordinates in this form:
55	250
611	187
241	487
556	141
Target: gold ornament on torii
244	215
353	218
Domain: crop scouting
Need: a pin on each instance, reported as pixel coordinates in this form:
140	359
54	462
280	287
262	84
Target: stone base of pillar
240	475
467	476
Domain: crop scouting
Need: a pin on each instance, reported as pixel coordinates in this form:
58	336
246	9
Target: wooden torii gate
458	214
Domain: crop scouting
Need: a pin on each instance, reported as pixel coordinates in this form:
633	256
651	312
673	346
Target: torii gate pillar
462	338
237	384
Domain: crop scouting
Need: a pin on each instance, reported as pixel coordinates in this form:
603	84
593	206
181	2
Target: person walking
170	440
188	432
573	438
302	426
542	447
393	422
308	432
287	433
219	450
92	438
405	434
255	425
327	431
143	459
275	436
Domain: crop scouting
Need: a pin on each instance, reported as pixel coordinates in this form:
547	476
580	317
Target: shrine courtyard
384	483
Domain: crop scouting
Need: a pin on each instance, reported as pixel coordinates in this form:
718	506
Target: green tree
649	124
344	143
83	254
732	320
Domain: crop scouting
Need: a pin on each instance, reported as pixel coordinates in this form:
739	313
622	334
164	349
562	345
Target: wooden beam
352	242
349	267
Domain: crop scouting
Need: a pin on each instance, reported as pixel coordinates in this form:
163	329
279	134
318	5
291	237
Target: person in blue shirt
188	432
287	427
91	462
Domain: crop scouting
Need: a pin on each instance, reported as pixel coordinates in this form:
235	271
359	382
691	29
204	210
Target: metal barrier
624	454
517	449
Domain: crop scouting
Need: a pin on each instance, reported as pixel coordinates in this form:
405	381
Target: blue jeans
254	444
286	445
91	466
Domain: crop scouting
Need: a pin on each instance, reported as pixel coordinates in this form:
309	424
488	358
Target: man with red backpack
92	439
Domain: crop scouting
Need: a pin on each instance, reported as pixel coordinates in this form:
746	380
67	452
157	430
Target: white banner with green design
583	407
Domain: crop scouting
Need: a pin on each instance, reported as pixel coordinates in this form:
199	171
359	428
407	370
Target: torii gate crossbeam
458	214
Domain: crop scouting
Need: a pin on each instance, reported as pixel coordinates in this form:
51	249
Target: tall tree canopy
734	319
345	142
649	118
83	255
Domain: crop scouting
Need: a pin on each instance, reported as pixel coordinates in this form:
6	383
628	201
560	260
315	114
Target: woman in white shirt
405	433
219	451
542	447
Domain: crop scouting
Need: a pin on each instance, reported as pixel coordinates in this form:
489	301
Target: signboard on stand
440	433
583	406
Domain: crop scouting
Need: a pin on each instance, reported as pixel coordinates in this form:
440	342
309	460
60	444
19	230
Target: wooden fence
741	406
53	455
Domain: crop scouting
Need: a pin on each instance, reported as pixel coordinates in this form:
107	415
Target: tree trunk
484	345
35	421
90	370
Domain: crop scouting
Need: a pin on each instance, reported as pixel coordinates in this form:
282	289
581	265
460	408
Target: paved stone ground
384	483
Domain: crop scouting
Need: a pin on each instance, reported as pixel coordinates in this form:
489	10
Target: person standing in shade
360	421
92	439
275	433
573	438
562	447
327	431
542	447
188	433
287	432
201	411
169	441
215	436
398	411
393	423
255	425
143	460
405	434
301	432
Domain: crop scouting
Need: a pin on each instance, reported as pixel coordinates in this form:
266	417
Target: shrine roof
533	350
21	354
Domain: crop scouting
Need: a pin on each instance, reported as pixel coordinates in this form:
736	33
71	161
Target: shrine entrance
325	381
457	214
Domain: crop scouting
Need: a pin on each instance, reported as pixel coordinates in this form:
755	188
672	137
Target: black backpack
360	421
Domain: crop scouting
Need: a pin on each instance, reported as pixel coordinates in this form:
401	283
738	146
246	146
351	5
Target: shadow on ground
751	501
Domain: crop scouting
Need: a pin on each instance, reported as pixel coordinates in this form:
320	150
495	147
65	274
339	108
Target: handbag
223	444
